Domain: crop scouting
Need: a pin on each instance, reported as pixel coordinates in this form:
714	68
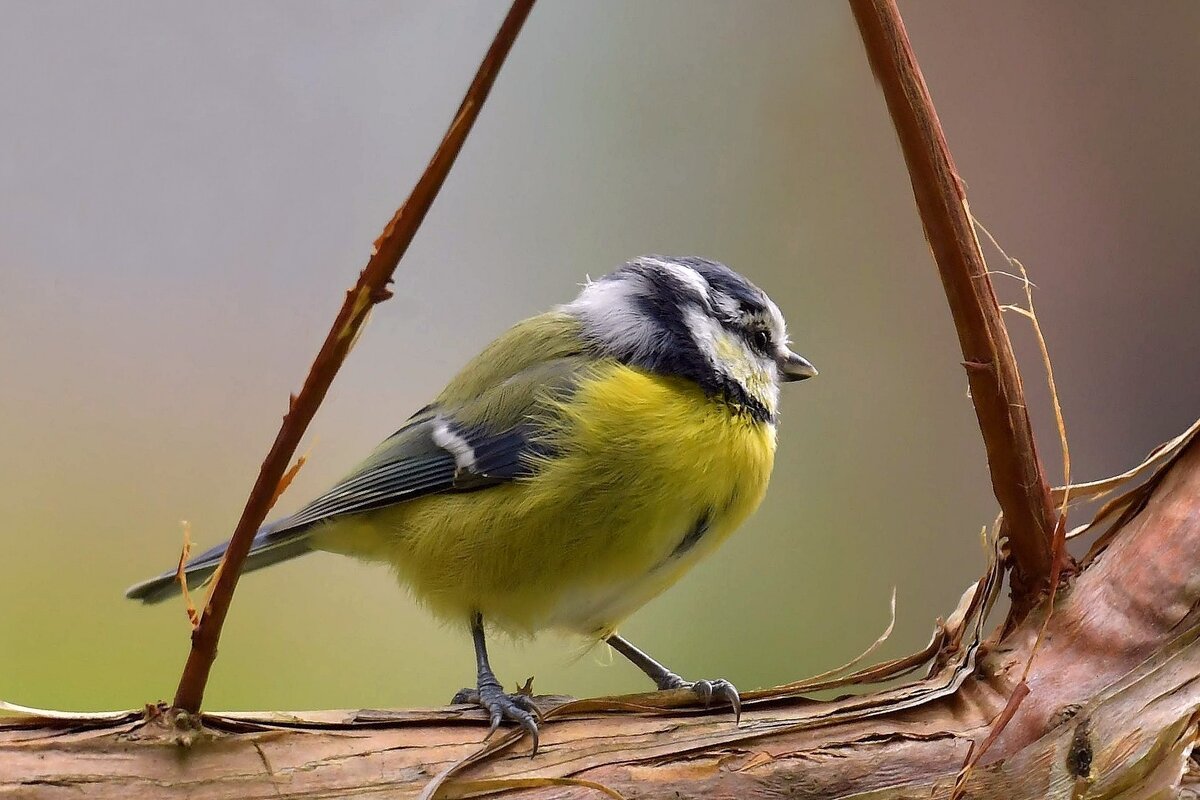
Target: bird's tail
270	547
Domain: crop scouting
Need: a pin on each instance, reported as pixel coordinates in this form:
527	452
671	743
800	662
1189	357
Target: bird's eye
761	340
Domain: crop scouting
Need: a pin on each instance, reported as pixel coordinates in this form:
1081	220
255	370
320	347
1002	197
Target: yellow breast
647	476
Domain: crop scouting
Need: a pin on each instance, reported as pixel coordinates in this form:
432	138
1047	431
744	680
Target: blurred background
186	191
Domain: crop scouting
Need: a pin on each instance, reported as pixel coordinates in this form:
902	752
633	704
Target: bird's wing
490	425
467	440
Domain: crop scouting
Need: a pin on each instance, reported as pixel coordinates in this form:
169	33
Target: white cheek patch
610	309
727	353
706	332
453	443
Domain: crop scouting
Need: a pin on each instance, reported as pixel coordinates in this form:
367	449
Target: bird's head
697	319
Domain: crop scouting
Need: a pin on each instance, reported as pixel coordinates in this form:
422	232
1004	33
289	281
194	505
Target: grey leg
490	695
665	679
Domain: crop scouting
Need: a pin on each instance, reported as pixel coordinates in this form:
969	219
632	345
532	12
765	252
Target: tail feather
268	548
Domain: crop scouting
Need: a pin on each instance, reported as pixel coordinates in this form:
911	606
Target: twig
180	575
1018	479
370	289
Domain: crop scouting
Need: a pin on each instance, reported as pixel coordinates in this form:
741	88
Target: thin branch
370	289
1018	479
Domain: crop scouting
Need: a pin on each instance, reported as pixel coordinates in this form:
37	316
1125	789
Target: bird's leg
665	679
490	695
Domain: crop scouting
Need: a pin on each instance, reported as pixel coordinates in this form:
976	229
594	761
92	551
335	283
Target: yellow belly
649	475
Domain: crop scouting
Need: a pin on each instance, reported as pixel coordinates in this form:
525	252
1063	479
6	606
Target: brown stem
370	289
1018	479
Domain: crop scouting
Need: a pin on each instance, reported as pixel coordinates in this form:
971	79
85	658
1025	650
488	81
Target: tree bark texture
1112	712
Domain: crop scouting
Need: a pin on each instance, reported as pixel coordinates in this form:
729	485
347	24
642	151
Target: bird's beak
793	367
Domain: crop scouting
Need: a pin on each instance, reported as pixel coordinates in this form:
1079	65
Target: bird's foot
517	707
707	690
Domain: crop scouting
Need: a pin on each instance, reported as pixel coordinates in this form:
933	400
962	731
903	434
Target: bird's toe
501	705
706	690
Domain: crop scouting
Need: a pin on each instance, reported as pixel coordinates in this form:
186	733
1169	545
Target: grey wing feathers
433	453
439	452
510	455
406	466
265	551
412	464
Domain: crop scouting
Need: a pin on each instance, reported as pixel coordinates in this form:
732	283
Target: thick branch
1112	714
370	289
1017	476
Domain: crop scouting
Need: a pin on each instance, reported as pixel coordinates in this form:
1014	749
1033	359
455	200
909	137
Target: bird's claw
517	707
707	690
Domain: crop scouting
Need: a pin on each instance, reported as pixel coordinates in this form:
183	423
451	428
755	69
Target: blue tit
574	470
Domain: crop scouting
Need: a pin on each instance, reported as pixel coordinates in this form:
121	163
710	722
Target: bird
571	472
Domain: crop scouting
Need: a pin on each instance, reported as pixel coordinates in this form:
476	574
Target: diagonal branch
1018	479
370	289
